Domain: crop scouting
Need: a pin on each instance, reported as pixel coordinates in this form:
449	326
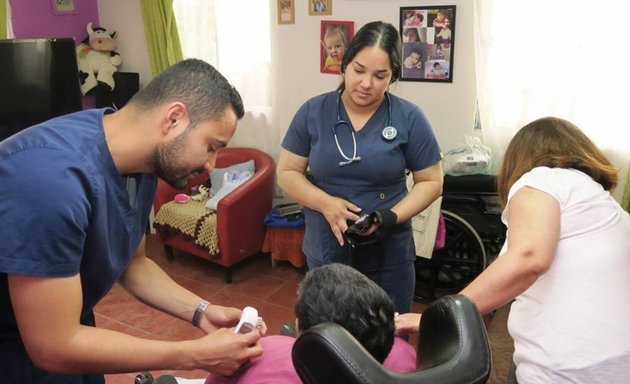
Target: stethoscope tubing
340	122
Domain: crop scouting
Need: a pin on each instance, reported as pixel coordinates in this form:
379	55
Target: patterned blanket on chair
191	219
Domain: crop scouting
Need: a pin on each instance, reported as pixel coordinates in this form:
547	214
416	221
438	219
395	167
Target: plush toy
97	59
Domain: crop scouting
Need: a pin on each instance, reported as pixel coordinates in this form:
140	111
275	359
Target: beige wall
450	107
124	17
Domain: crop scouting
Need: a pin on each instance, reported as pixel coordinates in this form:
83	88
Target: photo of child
286	12
428	43
414	35
439	53
334	41
441	19
412	63
443	36
319	7
436	69
414	18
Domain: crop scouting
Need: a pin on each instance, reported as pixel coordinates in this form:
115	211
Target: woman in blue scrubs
358	142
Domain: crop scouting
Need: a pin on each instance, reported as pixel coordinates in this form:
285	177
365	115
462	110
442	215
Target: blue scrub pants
389	263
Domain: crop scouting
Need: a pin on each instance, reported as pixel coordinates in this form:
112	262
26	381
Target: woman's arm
292	180
427	186
533	232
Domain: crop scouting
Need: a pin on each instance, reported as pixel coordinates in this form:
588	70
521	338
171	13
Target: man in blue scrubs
69	229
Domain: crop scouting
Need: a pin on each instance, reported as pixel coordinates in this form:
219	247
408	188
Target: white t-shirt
573	324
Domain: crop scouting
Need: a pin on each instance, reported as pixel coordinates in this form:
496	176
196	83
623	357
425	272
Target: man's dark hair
341	294
197	84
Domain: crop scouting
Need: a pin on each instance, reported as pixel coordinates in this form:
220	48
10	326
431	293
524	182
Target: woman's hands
337	212
407	323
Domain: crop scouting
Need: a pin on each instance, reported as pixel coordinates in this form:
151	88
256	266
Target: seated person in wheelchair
332	293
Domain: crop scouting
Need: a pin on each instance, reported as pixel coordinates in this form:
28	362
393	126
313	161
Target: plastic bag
468	159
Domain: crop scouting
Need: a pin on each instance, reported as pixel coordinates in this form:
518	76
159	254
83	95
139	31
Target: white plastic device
248	321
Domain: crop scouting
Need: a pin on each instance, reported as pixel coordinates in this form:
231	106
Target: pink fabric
276	367
402	357
440	237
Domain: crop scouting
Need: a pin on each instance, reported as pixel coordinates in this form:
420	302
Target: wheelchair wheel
451	268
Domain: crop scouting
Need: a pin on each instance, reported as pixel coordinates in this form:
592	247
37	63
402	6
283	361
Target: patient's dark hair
197	84
341	294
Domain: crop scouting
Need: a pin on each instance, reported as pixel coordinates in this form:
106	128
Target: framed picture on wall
428	35
320	7
63	7
286	11
334	39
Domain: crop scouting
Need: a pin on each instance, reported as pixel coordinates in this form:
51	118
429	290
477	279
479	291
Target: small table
285	243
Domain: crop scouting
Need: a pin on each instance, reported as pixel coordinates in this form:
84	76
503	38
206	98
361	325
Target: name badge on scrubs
389	133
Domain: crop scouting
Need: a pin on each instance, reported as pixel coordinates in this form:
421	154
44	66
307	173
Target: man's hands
224	352
217	316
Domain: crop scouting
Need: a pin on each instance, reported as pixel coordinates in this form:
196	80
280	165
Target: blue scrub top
379	179
64	210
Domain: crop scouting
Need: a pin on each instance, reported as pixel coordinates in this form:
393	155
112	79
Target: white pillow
231	181
217	174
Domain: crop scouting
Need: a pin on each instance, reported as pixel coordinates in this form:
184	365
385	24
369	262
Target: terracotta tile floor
270	290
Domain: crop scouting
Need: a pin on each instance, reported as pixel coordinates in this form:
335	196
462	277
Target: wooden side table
285	243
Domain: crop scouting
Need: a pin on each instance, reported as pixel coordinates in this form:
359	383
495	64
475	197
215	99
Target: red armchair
240	214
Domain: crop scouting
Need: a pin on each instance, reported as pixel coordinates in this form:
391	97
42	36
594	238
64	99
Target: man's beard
164	161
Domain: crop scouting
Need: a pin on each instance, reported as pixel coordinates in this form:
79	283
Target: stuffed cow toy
97	60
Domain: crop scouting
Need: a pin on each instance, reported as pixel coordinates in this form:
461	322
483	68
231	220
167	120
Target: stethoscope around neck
389	132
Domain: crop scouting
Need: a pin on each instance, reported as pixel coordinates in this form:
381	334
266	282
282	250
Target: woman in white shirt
566	260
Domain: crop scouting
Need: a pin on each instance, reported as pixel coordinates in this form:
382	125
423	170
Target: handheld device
248	321
361	225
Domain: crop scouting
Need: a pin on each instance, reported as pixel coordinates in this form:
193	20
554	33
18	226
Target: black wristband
386	219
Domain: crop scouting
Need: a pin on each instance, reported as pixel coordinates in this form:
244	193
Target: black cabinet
126	85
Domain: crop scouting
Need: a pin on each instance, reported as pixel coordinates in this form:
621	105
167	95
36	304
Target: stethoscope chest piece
389	133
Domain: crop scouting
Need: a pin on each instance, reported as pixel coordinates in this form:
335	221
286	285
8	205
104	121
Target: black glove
386	219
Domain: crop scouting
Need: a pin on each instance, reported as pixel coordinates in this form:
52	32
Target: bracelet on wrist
199	312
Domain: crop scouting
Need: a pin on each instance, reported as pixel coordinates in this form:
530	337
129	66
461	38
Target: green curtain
625	202
3	19
160	30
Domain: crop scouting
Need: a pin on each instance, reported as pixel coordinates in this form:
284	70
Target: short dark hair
376	33
197	84
339	293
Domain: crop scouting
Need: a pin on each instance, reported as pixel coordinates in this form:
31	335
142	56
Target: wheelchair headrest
453	349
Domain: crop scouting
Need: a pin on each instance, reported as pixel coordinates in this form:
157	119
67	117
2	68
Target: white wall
450	107
124	17
295	61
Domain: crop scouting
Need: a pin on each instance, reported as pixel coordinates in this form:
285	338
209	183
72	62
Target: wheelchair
474	237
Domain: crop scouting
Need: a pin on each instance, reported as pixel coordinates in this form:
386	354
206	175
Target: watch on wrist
199	312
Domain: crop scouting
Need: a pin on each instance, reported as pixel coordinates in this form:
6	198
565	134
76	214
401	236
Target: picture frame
428	43
64	7
286	11
333	41
320	7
